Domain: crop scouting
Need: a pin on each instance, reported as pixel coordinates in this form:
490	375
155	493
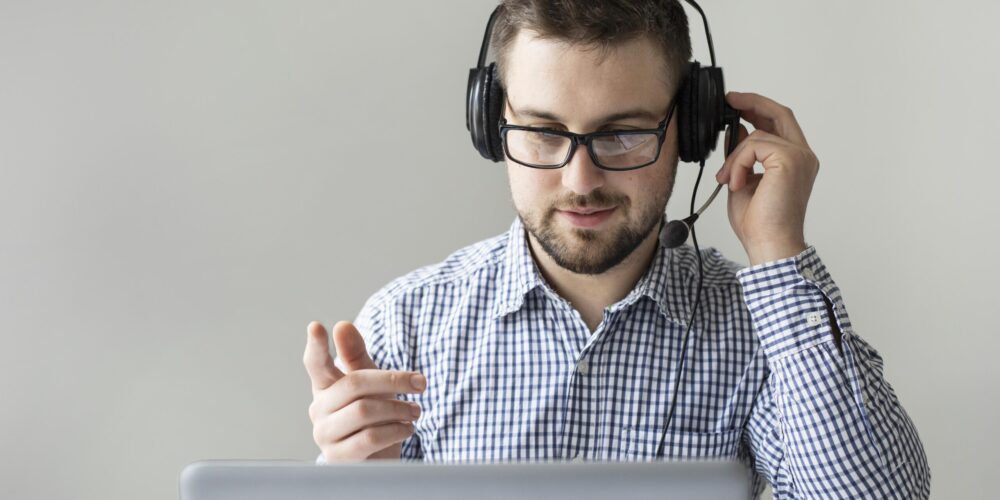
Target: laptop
388	480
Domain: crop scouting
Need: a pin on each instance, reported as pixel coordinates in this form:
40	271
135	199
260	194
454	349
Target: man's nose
580	175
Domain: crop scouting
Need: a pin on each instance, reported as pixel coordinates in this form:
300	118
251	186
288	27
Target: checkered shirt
514	373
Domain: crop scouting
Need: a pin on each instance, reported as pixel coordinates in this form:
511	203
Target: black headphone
702	111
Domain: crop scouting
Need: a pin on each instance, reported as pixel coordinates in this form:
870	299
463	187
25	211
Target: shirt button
808	274
583	366
814	319
577	459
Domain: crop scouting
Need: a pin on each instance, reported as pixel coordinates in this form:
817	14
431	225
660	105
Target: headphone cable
694	311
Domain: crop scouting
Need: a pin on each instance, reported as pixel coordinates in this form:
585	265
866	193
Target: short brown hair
602	24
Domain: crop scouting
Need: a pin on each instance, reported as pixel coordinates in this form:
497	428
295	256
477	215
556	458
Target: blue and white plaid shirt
514	373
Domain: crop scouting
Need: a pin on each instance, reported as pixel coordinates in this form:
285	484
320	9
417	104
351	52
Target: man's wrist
774	251
794	304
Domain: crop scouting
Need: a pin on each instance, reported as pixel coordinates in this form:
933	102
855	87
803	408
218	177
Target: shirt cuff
787	300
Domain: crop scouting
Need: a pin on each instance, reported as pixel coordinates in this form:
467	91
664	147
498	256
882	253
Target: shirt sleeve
826	423
383	345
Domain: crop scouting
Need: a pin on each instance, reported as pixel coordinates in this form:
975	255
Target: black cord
687	331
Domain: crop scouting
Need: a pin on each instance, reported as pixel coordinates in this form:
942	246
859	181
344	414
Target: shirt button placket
575	448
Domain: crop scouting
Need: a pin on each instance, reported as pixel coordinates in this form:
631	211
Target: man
561	338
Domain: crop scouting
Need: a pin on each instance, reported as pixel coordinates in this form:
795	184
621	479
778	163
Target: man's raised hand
355	413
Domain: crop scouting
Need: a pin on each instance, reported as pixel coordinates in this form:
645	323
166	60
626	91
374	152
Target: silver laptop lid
290	480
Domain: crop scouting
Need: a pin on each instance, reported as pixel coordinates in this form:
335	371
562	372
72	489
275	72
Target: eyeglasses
617	150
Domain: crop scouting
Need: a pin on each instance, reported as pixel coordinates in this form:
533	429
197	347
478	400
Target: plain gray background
184	185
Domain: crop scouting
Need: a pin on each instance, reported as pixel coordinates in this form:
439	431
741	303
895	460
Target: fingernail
418	382
414	410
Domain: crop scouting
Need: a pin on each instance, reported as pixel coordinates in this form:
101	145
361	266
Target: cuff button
814	319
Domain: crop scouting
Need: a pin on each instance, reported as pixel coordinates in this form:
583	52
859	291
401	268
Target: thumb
351	347
319	365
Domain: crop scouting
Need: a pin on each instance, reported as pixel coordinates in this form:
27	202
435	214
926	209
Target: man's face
555	85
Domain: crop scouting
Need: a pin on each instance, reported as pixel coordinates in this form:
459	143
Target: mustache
594	199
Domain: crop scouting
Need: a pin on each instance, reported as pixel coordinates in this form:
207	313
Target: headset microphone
675	233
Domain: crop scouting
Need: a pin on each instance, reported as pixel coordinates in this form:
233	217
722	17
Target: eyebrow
622	115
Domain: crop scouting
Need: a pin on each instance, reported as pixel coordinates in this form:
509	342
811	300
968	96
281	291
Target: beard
594	251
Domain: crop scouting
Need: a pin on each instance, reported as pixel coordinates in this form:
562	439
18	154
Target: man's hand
356	415
768	210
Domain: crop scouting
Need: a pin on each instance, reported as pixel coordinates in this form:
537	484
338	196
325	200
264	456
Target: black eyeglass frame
587	139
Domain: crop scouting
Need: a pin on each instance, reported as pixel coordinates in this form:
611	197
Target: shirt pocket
641	444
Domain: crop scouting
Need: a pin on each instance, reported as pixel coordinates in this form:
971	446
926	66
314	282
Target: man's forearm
843	430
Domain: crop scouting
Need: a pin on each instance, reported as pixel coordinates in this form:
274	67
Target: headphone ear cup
481	113
701	111
494	105
473	108
687	112
713	103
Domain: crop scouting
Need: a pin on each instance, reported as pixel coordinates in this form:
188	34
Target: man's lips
587	211
588	217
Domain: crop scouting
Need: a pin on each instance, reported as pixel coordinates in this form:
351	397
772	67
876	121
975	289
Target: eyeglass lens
612	151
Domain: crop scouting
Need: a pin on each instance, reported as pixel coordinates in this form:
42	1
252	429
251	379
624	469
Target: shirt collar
518	274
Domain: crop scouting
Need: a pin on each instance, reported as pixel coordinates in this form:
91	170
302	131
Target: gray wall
185	185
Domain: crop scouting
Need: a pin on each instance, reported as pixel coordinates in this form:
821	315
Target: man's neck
591	294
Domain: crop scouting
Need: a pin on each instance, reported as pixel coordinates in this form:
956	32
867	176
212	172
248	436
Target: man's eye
633	141
548	138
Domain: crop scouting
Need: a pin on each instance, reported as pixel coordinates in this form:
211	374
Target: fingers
363	413
368	383
366	442
757	147
747	141
317	360
351	347
738	201
358	416
767	115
